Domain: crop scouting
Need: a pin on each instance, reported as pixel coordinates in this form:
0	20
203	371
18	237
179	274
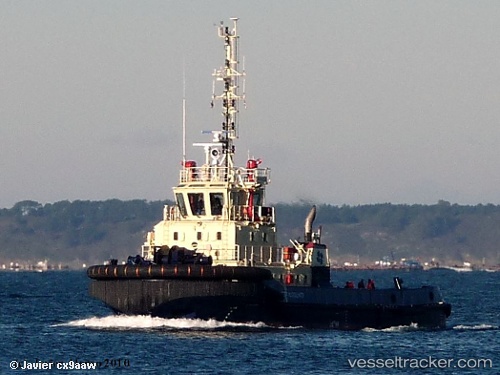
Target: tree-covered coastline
92	231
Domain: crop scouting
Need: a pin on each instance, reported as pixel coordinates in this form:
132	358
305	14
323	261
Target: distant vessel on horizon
465	267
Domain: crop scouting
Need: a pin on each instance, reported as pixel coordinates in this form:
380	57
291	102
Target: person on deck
349	285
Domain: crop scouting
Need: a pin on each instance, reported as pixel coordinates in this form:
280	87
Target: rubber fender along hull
181	272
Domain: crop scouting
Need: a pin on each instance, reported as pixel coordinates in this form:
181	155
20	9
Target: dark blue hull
244	294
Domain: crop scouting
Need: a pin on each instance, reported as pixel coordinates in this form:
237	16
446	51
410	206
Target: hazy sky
349	102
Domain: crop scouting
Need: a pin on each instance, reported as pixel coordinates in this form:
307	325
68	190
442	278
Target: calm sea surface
49	317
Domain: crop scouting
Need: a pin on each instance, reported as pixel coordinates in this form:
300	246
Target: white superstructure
220	208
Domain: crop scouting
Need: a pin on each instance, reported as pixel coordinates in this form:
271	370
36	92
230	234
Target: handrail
241	176
257	214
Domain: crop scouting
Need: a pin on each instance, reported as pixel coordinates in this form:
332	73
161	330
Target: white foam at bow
477	327
411	327
145	321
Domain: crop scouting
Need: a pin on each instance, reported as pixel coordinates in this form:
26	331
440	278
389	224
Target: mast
229	76
183	114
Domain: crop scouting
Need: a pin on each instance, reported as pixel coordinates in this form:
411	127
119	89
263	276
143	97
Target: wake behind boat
215	254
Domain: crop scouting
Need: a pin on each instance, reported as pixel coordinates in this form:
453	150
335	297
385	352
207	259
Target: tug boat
215	254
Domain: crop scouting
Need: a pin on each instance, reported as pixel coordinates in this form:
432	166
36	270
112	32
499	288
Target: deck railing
257	214
257	255
240	176
260	214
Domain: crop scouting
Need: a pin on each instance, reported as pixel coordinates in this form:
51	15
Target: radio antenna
183	112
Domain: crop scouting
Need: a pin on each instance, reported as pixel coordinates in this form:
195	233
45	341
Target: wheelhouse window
238	197
216	203
180	203
257	198
196	203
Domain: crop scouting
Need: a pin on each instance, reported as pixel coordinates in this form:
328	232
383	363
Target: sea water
49	324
